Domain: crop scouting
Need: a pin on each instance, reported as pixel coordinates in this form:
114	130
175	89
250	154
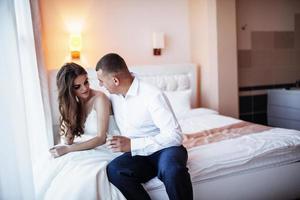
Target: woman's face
81	87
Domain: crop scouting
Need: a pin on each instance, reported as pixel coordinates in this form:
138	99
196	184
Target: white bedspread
217	159
82	175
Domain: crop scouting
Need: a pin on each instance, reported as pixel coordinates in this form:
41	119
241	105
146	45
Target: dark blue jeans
127	173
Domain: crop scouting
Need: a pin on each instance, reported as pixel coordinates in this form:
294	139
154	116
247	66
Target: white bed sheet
83	172
269	148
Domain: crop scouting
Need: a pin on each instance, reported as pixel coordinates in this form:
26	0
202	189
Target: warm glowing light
75	45
75	27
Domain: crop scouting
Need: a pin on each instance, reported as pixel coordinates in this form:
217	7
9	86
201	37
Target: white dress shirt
145	116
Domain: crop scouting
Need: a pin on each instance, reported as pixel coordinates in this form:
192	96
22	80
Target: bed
263	164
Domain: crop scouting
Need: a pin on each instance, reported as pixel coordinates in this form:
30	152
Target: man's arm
164	118
170	131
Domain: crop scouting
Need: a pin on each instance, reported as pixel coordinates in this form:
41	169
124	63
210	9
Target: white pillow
180	101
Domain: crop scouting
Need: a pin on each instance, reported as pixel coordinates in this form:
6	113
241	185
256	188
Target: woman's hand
59	150
68	139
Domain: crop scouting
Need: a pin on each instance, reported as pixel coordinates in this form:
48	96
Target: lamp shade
75	42
158	40
75	45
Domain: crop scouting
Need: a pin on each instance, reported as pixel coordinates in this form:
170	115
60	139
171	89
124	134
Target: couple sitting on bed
150	136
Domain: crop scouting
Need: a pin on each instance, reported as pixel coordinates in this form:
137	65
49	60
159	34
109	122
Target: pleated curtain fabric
24	140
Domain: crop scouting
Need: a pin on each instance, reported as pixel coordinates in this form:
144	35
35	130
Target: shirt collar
133	89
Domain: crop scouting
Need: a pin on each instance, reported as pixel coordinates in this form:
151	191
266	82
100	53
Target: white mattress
250	152
211	161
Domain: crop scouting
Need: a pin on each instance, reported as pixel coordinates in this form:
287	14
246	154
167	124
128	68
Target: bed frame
276	182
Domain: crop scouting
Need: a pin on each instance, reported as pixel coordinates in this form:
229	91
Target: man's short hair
112	63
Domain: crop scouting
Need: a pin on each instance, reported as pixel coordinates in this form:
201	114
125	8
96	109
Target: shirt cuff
137	146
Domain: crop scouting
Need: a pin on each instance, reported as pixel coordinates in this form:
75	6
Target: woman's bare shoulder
100	98
98	93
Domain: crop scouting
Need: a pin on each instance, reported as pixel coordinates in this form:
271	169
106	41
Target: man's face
108	81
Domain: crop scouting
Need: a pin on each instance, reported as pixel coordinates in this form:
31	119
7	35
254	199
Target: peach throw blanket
222	133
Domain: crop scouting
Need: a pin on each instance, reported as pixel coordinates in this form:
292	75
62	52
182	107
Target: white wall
124	27
227	58
204	49
198	31
213	36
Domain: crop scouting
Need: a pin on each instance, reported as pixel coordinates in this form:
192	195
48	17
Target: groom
150	135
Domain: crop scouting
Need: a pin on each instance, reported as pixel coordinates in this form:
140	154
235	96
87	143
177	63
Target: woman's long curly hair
71	109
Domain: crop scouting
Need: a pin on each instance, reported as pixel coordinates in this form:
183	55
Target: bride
84	123
76	101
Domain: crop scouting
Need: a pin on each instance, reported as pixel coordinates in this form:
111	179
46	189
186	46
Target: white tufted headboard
167	77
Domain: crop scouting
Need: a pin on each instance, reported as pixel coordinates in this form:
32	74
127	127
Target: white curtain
37	30
23	134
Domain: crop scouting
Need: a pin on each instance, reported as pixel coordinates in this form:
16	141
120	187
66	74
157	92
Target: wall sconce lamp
75	45
158	43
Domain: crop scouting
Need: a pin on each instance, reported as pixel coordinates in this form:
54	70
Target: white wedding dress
82	174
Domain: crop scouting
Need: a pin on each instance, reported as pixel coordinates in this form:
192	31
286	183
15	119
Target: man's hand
59	150
119	144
